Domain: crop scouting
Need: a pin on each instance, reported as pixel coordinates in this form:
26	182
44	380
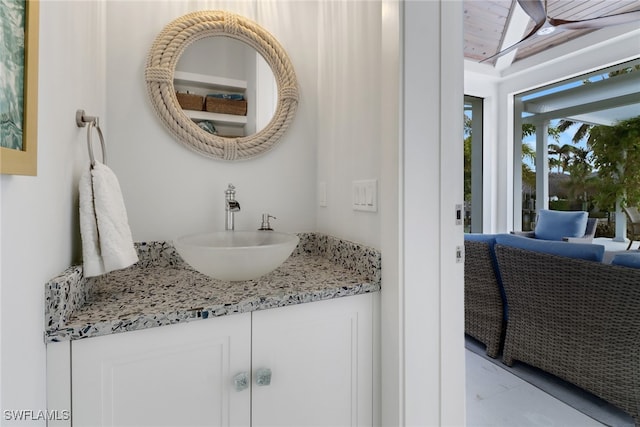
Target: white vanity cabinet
178	375
319	356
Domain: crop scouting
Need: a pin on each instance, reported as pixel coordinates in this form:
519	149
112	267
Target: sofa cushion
479	237
631	259
554	225
586	251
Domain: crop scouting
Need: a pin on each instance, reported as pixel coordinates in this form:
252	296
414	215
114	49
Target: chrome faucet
231	206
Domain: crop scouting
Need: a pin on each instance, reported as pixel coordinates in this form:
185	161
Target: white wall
39	219
170	190
349	116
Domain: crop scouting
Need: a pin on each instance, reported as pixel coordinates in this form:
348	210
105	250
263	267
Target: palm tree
580	175
554	149
564	154
580	133
467	158
529	153
528	175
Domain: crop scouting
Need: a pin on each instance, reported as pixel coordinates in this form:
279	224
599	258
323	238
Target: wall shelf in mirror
203	84
183	78
226	119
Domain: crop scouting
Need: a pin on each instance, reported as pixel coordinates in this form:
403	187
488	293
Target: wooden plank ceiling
485	22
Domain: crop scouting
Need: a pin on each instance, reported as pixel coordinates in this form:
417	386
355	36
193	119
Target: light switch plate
365	195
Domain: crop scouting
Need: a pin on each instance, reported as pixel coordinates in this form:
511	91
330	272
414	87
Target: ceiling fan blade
506	50
596	23
535	10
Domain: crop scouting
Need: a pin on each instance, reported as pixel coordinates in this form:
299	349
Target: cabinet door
178	375
320	357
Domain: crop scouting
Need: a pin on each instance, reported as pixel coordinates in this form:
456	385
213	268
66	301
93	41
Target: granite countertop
161	289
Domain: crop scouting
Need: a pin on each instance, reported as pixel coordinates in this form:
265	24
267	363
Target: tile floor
495	397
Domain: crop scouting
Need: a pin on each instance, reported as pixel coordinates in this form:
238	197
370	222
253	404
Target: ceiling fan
544	24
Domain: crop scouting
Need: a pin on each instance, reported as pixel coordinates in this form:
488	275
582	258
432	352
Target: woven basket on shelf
189	101
226	106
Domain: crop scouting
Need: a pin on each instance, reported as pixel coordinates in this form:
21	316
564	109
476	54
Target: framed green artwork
19	86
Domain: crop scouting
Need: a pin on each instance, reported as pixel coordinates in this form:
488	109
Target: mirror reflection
255	125
225	86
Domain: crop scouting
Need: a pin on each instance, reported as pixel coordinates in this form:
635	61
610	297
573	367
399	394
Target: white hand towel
91	259
107	244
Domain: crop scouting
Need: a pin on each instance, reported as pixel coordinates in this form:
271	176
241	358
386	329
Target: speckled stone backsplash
161	289
63	295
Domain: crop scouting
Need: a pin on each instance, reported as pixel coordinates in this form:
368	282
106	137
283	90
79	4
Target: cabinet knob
263	376
241	381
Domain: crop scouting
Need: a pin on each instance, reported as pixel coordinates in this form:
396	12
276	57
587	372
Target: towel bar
81	121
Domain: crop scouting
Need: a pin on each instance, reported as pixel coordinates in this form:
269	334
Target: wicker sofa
575	318
483	296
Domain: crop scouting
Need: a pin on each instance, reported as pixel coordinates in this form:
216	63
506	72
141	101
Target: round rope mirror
161	66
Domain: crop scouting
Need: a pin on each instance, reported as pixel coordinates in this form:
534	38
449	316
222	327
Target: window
555	145
472	164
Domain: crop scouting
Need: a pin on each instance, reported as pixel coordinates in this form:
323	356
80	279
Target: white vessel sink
236	255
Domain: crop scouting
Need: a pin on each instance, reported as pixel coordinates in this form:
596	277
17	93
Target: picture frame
22	160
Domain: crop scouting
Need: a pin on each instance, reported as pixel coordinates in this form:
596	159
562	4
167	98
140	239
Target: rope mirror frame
161	65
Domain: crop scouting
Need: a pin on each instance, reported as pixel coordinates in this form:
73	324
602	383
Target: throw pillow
554	225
